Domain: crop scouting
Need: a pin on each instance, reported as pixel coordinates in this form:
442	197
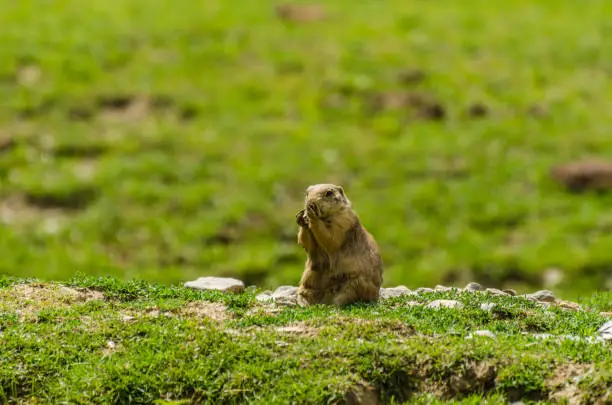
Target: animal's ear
341	190
309	189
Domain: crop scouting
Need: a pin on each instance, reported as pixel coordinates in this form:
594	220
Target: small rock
486	333
569	305
607	314
284	291
606	331
495	291
127	318
510	291
288	300
473	287
423	290
394	291
226	284
445	304
487	306
541	296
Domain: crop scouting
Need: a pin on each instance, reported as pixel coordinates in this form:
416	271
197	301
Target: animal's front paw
301	219
312	210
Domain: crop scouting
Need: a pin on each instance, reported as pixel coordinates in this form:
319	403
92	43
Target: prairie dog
343	263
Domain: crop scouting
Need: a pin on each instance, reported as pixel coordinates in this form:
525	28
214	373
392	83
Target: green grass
136	342
163	140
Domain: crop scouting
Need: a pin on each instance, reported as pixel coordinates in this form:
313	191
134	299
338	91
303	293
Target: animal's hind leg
308	292
307	296
356	290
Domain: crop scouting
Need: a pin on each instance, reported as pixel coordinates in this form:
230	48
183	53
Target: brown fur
343	263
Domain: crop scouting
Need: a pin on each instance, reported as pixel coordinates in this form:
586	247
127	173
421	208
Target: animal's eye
329	193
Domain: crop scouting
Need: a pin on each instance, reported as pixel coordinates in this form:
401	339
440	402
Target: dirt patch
300	13
298	328
580	176
399	328
569	305
564	384
464	379
475	377
211	310
362	394
265	309
66	295
78	198
15	210
27	299
423	106
131	315
364	327
122	107
394	100
197	309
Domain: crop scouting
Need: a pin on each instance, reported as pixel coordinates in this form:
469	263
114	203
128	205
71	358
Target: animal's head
329	198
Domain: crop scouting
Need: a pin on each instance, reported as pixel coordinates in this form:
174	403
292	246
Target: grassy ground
106	341
169	139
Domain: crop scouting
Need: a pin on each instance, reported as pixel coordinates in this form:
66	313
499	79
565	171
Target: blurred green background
167	140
